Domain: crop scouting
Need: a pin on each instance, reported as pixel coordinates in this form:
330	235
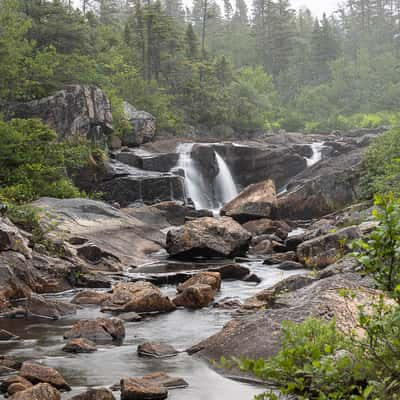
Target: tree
191	43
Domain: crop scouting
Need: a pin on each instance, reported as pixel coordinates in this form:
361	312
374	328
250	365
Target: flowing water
204	193
317	154
42	341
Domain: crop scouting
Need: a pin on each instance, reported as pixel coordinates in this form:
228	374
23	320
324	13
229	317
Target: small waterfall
195	186
317	154
225	187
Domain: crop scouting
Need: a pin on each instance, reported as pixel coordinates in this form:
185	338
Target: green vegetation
33	164
219	70
381	166
318	361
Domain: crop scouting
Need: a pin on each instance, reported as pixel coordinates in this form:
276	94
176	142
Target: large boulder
206	159
156	350
195	296
37	373
80	345
40	306
11	239
327	249
142	126
42	391
208	237
97	330
142	389
255	202
212	279
329	185
140	297
267	226
76	110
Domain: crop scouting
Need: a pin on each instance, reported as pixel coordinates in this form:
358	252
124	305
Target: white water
223	188
317	153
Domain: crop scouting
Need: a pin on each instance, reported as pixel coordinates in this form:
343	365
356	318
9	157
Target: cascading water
204	196
225	187
317	154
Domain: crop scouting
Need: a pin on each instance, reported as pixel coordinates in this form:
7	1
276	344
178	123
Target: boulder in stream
257	201
42	391
95	394
80	345
208	237
212	279
37	373
195	296
156	350
142	389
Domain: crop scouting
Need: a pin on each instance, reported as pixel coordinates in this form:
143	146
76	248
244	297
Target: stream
43	341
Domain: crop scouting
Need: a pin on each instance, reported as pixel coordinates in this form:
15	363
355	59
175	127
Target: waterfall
212	196
317	153
225	187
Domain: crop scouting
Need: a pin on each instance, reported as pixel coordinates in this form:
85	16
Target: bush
33	164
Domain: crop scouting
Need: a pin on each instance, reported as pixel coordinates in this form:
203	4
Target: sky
318	7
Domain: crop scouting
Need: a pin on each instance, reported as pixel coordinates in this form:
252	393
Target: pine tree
191	43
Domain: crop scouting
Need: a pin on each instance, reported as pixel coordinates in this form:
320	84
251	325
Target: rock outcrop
76	110
208	237
142	126
255	202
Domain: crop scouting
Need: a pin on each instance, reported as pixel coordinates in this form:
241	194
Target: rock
290	266
279	258
5	371
327	249
42	391
257	335
5	335
262	299
80	346
253	162
228	303
76	110
142	389
327	186
232	271
293	242
97	330
267	226
10	362
130	317
36	373
195	296
142	126
257	201
212	279
165	380
95	394
205	157
139	297
14	383
262	247
94	254
112	230
11	239
208	237
54	309
156	350
88	297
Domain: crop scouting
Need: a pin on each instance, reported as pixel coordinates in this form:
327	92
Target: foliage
381	166
34	164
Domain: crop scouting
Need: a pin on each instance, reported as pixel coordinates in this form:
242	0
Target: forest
213	68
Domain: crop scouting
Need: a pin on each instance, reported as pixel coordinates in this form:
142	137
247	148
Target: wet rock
156	350
88	297
10	362
80	346
228	303
212	279
14	383
142	126
93	253
97	330
54	309
36	373
290	266
161	162
76	110
328	186
166	380
327	249
262	246
205	157
95	394
5	335
195	296
11	239
42	391
139	297
208	237
262	299
257	201
232	271
142	389
279	258
293	242
267	226
130	317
